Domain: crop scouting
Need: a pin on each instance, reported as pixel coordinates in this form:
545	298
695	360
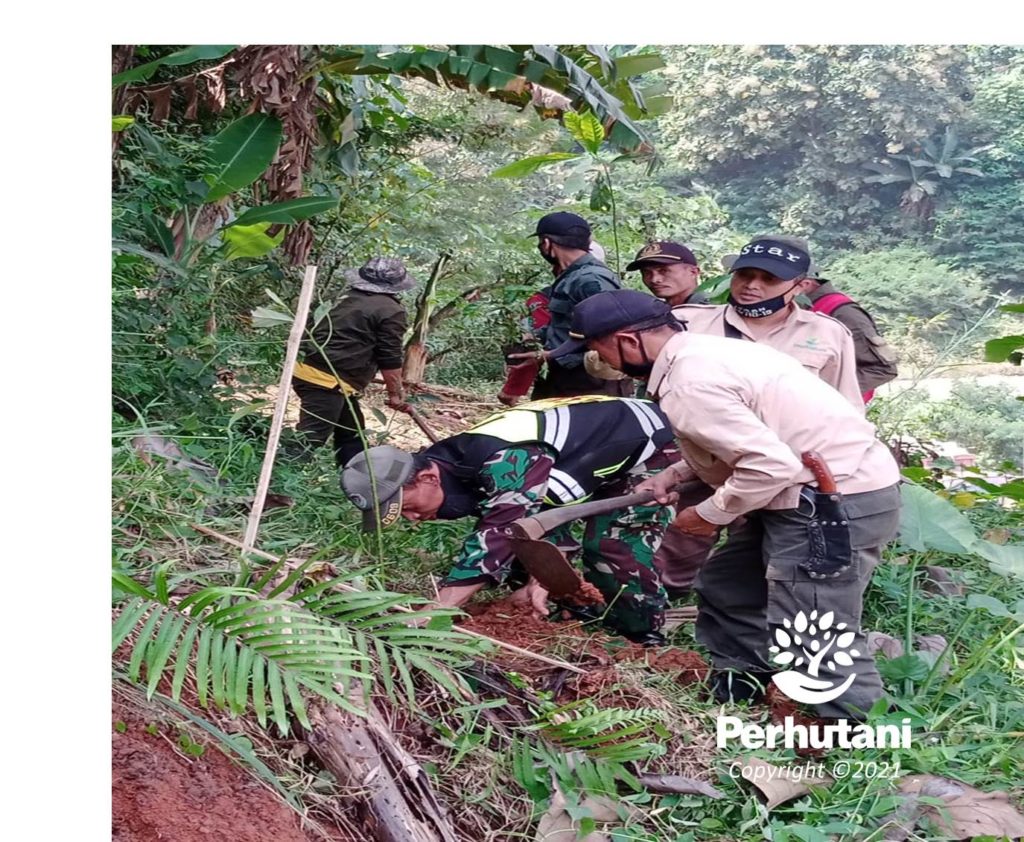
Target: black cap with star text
775	257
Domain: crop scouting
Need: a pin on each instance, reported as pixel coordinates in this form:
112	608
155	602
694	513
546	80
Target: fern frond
233	646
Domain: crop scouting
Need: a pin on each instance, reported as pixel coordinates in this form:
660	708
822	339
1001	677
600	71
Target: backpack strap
828	304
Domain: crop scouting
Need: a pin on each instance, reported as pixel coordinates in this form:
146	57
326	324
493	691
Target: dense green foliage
426	153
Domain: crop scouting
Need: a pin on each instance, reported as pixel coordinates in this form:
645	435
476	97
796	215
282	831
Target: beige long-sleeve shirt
745	412
823	345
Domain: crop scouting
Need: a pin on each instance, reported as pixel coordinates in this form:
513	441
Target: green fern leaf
142	642
243	670
295	698
403	673
160	652
127	620
217	658
183	660
280	714
203	664
259	690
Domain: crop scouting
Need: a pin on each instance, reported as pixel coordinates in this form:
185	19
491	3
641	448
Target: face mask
640	370
762	308
550	258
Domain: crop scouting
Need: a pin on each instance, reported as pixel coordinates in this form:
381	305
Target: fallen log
363	754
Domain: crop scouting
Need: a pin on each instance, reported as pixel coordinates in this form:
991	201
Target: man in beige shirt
768	274
744	416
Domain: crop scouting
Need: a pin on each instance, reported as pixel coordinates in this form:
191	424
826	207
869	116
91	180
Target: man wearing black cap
767	275
745	416
563	240
519	462
875	359
669	270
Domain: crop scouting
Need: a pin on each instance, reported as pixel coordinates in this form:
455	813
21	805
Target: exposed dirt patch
592	650
782	706
161	793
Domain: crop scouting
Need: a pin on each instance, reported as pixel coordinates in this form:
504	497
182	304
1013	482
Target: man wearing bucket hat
360	335
521	461
744	417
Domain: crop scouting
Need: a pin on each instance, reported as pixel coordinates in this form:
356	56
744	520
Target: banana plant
924	169
595	165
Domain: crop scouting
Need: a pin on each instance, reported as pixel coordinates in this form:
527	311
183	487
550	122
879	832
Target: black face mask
550	258
639	370
764	308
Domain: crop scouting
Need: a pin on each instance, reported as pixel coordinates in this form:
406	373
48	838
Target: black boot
647	639
734	686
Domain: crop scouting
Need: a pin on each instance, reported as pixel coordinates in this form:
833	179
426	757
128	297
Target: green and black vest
596	438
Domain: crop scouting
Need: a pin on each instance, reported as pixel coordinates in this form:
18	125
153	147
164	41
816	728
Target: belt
306	372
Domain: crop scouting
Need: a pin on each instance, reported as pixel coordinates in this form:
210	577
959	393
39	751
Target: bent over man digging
817	490
516	463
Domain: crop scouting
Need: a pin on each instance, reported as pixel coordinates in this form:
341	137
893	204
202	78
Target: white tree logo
806	643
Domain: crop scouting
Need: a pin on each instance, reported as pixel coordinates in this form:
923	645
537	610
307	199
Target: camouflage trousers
617	550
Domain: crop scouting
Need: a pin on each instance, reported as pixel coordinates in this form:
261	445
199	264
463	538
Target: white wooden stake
292	352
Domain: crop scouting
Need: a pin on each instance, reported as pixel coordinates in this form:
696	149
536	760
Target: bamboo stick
555	662
291	353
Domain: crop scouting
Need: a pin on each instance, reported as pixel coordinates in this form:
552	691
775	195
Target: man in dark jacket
563	240
361	334
519	462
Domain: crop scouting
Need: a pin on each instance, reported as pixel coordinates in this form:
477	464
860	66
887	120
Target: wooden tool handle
822	475
542	523
414	413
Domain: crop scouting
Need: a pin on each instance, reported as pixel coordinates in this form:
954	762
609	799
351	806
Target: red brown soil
160	794
587	594
516	624
782	706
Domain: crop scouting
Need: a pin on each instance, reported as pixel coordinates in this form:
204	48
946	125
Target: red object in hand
520	378
537	307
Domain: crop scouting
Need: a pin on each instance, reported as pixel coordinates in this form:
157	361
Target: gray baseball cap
377	474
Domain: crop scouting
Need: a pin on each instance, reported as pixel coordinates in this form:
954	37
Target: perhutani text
840	734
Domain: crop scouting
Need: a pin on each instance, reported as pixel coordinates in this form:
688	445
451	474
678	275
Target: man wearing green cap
521	461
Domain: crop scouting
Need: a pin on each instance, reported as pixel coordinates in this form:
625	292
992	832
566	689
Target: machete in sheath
829	528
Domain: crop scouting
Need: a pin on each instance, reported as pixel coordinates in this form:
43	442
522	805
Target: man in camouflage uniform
524	460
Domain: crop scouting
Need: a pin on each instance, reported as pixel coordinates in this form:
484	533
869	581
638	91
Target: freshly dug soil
586	595
516	624
159	793
782	706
